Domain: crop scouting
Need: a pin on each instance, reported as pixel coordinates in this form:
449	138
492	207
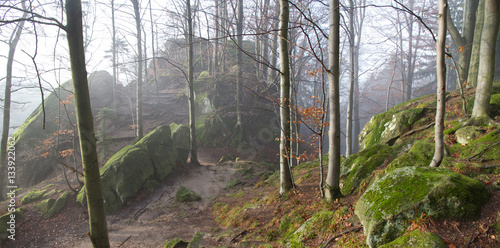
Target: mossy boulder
360	166
186	195
196	241
175	243
128	171
33	196
58	204
8	223
483	146
388	206
420	154
467	134
181	139
417	238
388	126
161	150
319	221
44	206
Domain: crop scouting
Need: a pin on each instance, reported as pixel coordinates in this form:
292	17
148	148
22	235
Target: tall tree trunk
481	110
274	48
332	184
153	57
216	38
113	48
139	127
441	85
285	172
409	58
239	55
14	39
476	46
352	77
192	113
95	201
464	40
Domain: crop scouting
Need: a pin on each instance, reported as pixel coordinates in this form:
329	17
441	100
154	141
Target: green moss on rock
388	125
181	139
175	243
58	204
33	196
467	134
186	195
126	172
389	205
44	206
362	164
420	154
196	241
418	239
478	145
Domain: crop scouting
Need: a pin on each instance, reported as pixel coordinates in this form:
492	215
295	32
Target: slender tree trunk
481	110
409	58
14	39
441	85
352	67
274	48
476	46
154	53
192	113
113	48
240	66
137	14
332	184
95	202
216	38
285	172
464	40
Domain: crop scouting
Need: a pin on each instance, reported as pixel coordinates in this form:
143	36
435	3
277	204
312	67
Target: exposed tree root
354	229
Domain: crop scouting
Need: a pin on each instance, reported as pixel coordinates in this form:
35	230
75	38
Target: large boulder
129	170
181	139
360	166
467	134
387	126
388	206
417	238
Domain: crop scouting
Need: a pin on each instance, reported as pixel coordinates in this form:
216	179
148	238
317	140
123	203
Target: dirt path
152	219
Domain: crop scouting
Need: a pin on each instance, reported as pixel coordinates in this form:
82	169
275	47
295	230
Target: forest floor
152	218
249	214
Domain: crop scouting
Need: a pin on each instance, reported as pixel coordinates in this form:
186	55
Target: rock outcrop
388	206
135	167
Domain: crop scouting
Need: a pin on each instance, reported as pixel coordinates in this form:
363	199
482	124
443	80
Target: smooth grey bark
476	46
352	78
192	113
463	40
14	39
481	110
285	172
441	85
239	55
332	183
139	124
153	56
95	201
216	39
113	51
